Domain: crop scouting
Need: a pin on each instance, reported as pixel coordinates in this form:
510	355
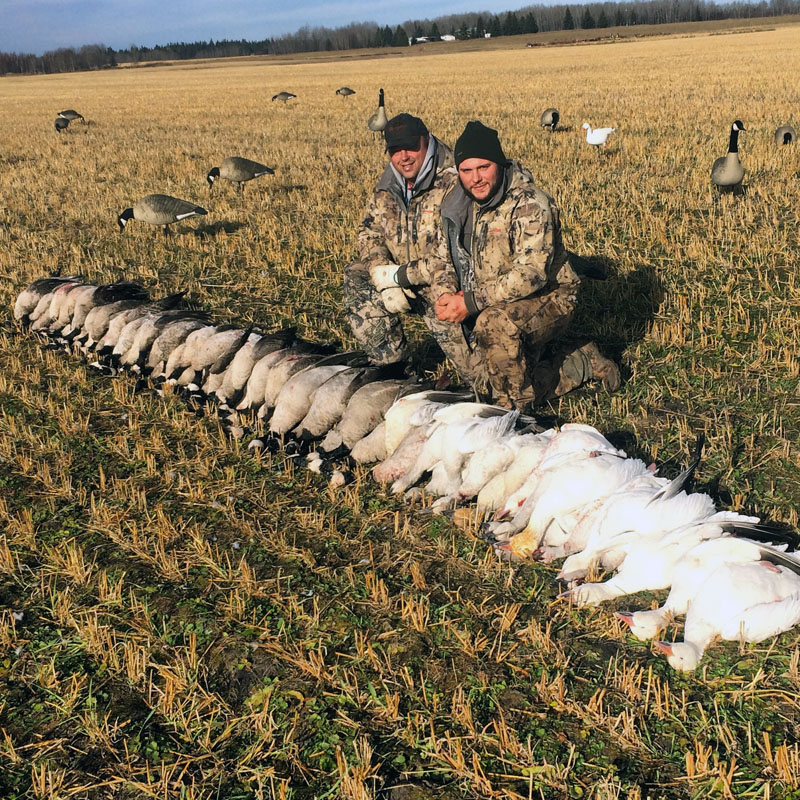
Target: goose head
682	656
213	174
738	125
124	218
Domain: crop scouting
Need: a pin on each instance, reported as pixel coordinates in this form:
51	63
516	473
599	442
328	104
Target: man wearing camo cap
513	285
398	240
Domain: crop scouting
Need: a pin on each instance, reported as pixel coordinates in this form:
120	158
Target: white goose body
597	136
738	602
688	576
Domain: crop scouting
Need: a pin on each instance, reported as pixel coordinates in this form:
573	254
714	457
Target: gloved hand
395	301
384	276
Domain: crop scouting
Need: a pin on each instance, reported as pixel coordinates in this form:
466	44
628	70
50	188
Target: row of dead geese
566	493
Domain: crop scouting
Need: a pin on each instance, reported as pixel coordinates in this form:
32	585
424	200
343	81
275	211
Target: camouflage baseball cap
403	132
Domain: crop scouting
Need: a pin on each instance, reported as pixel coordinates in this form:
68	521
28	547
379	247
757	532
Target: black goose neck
733	144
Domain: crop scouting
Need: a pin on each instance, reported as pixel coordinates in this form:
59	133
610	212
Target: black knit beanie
478	141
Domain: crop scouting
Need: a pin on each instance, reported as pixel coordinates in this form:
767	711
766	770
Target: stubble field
181	619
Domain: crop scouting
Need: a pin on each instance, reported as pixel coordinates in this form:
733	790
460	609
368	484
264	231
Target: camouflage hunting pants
511	337
380	334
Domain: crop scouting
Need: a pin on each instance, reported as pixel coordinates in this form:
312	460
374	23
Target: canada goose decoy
345	91
159	209
550	118
283	96
377	122
597	136
71	115
727	172
61	124
238	170
785	135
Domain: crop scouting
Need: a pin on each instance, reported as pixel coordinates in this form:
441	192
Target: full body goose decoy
345	91
61	124
550	118
238	170
597	136
283	96
377	122
727	172
71	115
159	209
785	135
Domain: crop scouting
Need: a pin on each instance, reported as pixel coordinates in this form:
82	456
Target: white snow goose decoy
597	136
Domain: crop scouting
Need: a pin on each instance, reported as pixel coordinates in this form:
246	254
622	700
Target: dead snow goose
29	297
364	413
738	602
692	571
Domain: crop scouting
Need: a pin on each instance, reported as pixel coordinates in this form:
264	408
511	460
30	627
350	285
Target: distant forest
529	19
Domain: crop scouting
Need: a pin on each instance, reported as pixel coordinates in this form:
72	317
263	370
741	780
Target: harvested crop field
180	618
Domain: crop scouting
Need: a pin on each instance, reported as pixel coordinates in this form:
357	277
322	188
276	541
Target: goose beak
625	617
664	647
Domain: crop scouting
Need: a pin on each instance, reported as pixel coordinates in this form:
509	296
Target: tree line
529	19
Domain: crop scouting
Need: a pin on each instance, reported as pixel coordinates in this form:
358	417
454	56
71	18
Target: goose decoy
238	170
283	96
71	115
785	135
727	172
597	136
377	122
61	124
345	91
159	209
550	118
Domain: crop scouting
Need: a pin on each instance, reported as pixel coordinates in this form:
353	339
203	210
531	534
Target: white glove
384	276
395	300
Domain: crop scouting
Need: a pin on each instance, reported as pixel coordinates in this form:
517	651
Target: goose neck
733	144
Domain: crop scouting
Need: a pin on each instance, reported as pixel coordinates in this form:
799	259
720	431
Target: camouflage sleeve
532	242
372	235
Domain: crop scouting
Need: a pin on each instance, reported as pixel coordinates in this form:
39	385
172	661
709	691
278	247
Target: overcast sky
33	26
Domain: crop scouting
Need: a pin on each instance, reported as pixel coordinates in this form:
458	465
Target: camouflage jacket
513	246
409	236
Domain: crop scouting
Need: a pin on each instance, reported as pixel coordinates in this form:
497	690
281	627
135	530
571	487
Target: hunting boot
585	364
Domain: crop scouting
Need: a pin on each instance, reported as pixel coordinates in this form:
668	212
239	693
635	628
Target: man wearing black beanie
398	242
513	285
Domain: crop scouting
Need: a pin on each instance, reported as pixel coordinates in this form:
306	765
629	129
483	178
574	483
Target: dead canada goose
159	209
377	122
71	115
727	172
785	135
550	117
283	96
345	91
61	124
237	170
